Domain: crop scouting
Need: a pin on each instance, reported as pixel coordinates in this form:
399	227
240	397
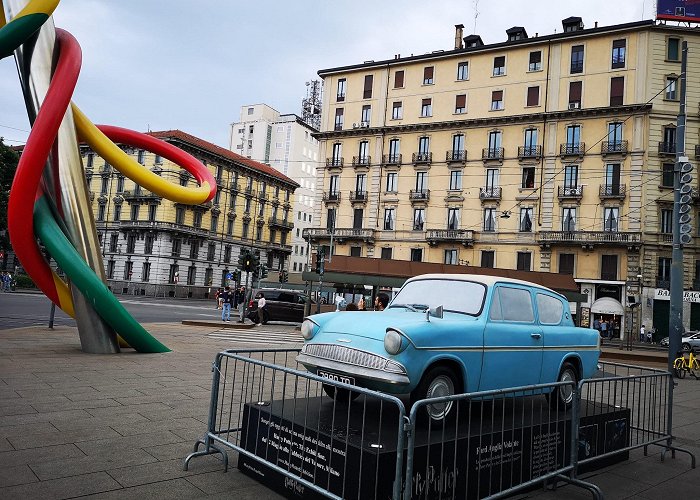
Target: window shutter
461	101
428	73
499	62
533	96
398	79
368	87
426	102
617	87
497	95
535	57
575	92
618	44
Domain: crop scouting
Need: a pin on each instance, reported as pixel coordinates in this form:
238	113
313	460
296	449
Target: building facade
153	246
547	153
286	143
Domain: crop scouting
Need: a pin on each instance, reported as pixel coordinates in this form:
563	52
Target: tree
8	166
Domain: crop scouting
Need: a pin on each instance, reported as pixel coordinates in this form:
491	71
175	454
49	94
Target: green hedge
23	281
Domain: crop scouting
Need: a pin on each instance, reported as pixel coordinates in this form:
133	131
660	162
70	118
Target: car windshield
459	296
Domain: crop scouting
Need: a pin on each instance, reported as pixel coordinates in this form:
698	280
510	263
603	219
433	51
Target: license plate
336	377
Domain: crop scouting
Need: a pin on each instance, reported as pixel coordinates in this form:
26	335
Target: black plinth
353	454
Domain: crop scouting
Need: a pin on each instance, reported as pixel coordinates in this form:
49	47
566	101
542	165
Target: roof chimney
458	36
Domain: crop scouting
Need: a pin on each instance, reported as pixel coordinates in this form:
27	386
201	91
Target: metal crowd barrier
495	443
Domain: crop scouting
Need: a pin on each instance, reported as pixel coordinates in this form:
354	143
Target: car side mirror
435	312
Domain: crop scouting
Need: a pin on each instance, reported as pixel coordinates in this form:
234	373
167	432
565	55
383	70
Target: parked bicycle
683	365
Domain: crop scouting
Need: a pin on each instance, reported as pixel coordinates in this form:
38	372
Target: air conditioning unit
355	125
364	124
574	105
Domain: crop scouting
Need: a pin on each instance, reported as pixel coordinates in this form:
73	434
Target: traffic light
255	260
244	260
284	276
686	200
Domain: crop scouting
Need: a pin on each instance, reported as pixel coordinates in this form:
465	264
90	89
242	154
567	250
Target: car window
495	311
286	297
519	304
458	296
301	299
550	309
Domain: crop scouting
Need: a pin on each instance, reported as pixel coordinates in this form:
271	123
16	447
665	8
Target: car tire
339	394
686	346
436	382
561	398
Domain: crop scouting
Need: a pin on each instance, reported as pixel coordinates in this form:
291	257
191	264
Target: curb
219	324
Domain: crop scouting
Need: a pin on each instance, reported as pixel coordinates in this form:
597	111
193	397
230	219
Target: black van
280	305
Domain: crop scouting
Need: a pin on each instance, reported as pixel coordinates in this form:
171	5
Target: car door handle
536	335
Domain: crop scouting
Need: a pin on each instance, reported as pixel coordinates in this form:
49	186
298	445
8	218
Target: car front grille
345	354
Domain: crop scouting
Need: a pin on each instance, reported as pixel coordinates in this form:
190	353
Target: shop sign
688	295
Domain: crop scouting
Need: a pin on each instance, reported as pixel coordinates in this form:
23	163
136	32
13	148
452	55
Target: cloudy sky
192	65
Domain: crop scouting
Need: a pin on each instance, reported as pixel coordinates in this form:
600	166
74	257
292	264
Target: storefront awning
607	305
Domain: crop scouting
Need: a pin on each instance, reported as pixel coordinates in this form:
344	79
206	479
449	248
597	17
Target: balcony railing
490	193
338	126
361	161
697	151
262	195
667	148
249	190
419	195
588	238
663	283
422	158
492	154
334	162
570	192
617	191
529	152
171	226
572	149
331	196
358	196
276	222
456	156
340	234
463	236
391	159
234	186
613	147
130	195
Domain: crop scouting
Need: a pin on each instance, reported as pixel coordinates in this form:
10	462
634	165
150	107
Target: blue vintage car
446	334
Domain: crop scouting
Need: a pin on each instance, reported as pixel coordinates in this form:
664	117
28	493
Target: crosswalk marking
258	337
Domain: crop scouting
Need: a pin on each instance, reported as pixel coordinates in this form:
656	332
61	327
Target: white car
689	339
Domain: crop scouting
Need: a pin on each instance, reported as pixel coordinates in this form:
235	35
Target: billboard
678	10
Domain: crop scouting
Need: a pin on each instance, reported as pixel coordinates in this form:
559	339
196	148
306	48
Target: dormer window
572	24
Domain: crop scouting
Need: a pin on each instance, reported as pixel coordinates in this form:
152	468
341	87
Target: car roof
482	278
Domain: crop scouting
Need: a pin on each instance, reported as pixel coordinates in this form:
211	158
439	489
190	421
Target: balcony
130	195
361	161
667	148
529	152
456	156
419	195
463	236
665	238
234	186
262	195
279	223
331	196
572	149
334	162
663	283
697	151
490	193
279	247
340	234
391	160
570	192
358	196
249	190
613	191
422	158
167	226
589	239
492	154
613	148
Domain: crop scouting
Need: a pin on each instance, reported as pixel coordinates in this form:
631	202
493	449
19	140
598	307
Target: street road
20	309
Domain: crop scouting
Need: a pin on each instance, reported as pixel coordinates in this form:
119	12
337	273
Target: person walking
217	299
596	325
226	301
261	308
240	302
642	334
604	329
650	335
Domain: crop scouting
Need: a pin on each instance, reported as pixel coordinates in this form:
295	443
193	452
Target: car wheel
562	397
437	382
339	394
686	346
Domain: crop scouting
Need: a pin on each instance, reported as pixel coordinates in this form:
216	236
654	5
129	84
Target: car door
512	340
286	302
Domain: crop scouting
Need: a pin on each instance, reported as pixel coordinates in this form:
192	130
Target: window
357	217
608	267
113	240
398	79
428	73
246	208
152	212
491	188
611	218
494	148
130	243
110	269
104	186
570	177
455	180
386	253
158	160
360	184
666	221
461	104
577	59
90	160
550	309
214	223
397	111
488	258
566	263
673	49
197	219
451	257
389	219
617	90
619	48
418	219
339	119
528	180
177	247
330	219
355	251
366	115
526	220
524	259
135	212
612	179
184	179
367	91
499	65
227	253
421	182
148	244
489	219
667	175
664	271
463	71
118	213
337	154
426	108
575	94
363	153
194	249
394	150
568	220
333	187
614	136
496	100
535	61
211	251
391	182
533	96
416	255
453	219
573	135
208	276
128	269
191	275
671	85
245	229
120	183
424	147
340	97
146	271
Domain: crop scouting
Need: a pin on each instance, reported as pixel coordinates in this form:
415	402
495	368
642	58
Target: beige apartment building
153	246
544	153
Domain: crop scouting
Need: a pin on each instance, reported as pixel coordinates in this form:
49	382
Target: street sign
229	276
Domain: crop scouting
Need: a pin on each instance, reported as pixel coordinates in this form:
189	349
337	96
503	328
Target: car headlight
308	328
393	342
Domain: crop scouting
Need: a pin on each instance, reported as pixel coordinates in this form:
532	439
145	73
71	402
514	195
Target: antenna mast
476	14
311	104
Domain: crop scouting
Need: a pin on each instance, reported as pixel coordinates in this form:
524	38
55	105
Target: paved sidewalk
81	425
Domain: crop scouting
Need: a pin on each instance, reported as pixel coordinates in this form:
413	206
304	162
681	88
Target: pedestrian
361	304
351	307
604	329
261	307
217	294
642	334
226	301
240	298
596	325
650	335
381	301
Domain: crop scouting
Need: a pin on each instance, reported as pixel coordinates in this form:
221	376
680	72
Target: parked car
448	334
689	339
280	305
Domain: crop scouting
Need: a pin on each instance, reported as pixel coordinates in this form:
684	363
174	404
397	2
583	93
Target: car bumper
359	372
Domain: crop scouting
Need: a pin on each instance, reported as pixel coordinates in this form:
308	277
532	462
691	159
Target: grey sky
193	66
